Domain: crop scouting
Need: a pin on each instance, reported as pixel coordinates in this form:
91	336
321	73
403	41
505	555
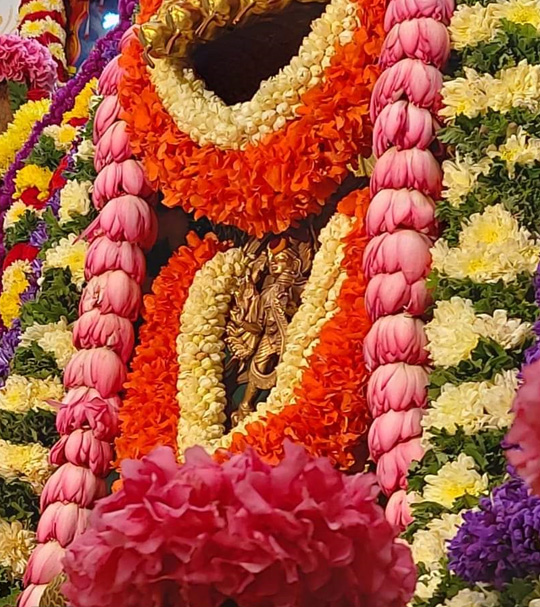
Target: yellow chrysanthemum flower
16	545
454	479
15	282
56	338
15	212
460	175
471	25
19	130
74	199
30	176
29	463
82	103
62	135
519	148
518	11
20	394
68	254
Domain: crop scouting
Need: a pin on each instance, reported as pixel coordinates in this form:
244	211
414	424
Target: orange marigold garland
149	412
330	411
291	172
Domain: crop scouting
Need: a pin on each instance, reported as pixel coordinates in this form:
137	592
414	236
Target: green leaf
18	501
83	170
9	588
34	361
35	426
22	230
18	94
45	154
57	231
58	297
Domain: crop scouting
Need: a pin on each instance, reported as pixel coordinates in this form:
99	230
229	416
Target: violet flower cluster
500	541
26	60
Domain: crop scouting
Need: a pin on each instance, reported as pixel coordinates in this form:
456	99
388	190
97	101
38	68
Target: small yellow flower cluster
456	329
38	6
62	135
19	130
492	246
473	94
471	25
29	462
16	212
68	254
207	119
33	176
74	199
83	102
21	394
16	545
56	338
15	283
34	29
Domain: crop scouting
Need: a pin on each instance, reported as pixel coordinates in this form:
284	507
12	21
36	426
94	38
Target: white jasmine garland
201	349
207	119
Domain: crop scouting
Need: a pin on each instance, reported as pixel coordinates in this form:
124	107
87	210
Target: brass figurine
264	305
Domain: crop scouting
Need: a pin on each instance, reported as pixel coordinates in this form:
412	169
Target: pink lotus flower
84	407
396	387
120	178
62	522
403	125
415	169
424	38
94	329
83	449
72	483
31	595
105	254
397	338
44	564
113	292
524	434
410	78
113	146
391	210
106	115
398	511
296	534
99	368
405	251
110	78
391	293
402	10
127	218
391	428
393	466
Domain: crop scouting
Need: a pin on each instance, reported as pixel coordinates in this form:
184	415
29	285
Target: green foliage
485	361
34	361
519	593
516	297
21	231
513	43
35	426
9	589
18	94
448	587
82	171
45	154
59	297
18	501
57	231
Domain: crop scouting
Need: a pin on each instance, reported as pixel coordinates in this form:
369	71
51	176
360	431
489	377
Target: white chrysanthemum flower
68	254
460	175
56	338
465	95
86	150
473	598
519	148
29	463
454	479
74	199
471	25
508	332
19	394
427	585
429	544
492	246
16	545
63	135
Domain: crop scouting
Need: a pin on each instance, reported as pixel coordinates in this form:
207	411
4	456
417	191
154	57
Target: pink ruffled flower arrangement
295	535
26	60
524	435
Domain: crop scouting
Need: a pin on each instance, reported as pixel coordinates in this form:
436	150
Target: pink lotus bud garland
114	268
406	180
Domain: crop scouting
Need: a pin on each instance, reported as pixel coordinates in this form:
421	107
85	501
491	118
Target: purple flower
8	343
39	236
500	541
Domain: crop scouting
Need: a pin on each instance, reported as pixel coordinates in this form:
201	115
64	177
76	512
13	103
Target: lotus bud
72	483
113	146
83	449
94	329
396	387
391	428
106	115
120	178
31	595
110	77
391	293
391	210
398	511
105	254
62	522
392	467
112	292
99	368
403	10
44	564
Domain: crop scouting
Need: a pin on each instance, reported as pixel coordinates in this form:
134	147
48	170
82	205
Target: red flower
58	180
296	535
30	197
20	251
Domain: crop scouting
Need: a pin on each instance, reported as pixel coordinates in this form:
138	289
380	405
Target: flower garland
202	400
243	188
149	412
405	181
480	327
45	22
